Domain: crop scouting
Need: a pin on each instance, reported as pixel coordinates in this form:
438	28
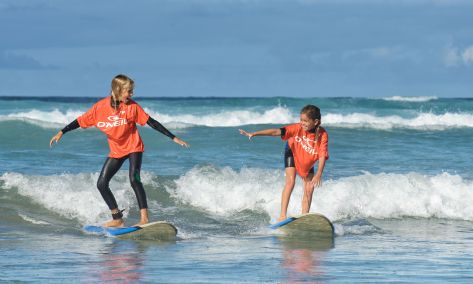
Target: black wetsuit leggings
289	159
111	167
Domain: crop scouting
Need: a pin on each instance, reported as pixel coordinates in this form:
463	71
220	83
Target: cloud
10	60
452	57
455	57
467	55
386	53
22	6
393	2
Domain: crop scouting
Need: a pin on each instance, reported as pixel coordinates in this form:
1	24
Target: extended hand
316	181
243	132
55	138
181	142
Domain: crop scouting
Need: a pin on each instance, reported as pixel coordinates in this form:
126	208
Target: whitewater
398	187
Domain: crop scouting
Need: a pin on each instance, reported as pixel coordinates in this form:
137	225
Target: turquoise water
398	187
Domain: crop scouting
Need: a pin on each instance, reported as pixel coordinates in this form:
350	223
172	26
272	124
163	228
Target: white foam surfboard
306	224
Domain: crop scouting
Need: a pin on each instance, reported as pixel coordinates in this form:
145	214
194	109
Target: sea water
398	187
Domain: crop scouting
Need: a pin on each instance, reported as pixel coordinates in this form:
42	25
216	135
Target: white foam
32	220
423	121
45	119
411	99
276	116
398	195
224	191
74	195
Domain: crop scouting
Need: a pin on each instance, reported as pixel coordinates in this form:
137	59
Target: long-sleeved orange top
118	124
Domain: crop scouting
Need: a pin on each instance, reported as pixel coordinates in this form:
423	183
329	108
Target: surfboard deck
313	224
160	230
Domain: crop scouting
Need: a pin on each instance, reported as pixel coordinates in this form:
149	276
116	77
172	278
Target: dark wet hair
311	111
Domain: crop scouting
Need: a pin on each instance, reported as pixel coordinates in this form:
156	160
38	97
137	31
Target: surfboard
307	224
160	230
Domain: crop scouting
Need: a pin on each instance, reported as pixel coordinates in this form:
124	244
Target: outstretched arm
266	132
159	127
71	126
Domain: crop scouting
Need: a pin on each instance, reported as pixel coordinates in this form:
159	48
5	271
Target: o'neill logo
114	120
304	141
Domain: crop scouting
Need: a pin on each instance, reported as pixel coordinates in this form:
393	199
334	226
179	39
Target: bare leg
308	192
144	217
286	194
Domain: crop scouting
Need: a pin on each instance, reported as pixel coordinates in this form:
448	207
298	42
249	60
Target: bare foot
142	222
282	218
143	217
114	223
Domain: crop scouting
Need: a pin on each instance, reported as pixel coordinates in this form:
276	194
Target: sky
238	48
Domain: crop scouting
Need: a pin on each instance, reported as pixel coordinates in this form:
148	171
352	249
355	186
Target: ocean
398	187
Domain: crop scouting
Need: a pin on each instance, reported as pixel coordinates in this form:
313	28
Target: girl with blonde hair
116	116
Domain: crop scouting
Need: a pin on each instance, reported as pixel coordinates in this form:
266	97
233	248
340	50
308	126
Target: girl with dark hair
307	143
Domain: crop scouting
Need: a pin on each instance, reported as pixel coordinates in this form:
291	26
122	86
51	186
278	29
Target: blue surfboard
110	230
152	231
282	223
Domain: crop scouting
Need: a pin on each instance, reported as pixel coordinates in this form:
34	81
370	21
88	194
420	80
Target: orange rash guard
306	147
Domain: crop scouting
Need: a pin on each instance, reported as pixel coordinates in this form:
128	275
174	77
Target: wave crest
384	196
73	195
423	121
275	116
419	99
224	191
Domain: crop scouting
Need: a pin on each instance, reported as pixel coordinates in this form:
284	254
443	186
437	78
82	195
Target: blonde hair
120	84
